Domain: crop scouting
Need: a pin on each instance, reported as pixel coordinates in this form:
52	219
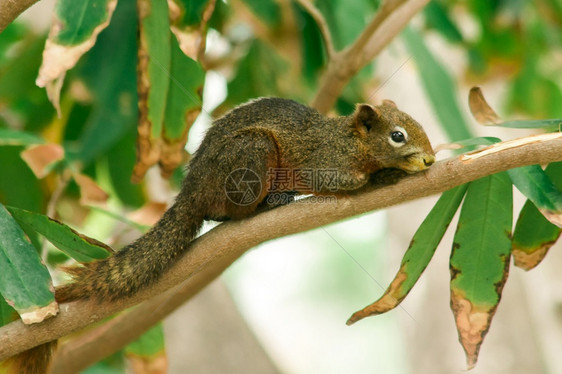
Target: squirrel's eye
398	137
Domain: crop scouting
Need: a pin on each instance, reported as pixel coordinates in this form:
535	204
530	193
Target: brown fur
36	360
262	134
265	133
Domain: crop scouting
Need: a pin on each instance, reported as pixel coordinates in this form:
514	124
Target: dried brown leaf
148	149
58	59
480	109
387	302
37	315
528	261
90	192
472	324
149	213
173	153
40	158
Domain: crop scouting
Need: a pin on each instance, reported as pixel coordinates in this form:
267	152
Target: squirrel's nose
428	160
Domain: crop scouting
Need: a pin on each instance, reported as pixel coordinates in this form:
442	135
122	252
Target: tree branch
11	9
88	348
216	250
322	25
392	17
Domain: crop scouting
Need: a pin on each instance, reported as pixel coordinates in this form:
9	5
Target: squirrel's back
272	112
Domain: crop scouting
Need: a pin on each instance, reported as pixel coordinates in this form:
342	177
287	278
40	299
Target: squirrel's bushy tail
140	263
33	361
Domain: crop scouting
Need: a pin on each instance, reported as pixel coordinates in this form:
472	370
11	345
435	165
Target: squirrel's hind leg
246	183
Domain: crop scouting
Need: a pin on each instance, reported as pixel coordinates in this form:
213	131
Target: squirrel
259	136
253	139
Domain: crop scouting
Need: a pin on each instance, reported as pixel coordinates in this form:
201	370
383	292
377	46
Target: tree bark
11	9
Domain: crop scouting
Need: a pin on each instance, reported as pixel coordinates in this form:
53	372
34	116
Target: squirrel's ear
365	117
389	103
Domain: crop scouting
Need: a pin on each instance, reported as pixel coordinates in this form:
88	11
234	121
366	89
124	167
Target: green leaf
184	96
480	259
547	124
7	313
347	18
75	245
533	182
437	17
183	105
483	140
257	75
113	85
18	185
439	86
18	91
534	235
149	344
13	137
554	172
417	257
120	161
25	282
313	57
11	35
120	218
533	91
114	364
78	20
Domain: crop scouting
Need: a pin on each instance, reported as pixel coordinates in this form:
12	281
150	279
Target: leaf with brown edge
41	158
480	109
78	246
534	235
153	79
472	323
417	257
479	262
189	25
90	192
538	187
73	32
183	105
25	282
532	238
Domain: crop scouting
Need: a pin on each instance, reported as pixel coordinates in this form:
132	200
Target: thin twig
214	251
392	17
322	25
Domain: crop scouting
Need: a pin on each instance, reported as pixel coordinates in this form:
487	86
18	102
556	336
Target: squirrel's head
394	138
